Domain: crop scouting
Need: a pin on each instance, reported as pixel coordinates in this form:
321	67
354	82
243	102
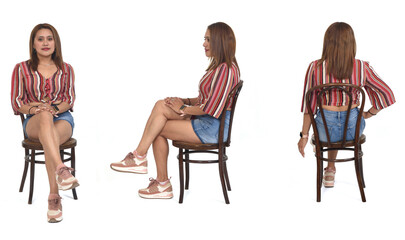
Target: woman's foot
157	190
329	177
54	208
64	178
132	163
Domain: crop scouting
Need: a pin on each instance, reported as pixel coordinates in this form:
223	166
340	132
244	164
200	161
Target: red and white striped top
215	87
30	86
380	95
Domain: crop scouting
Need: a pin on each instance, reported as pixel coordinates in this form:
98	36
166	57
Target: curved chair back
233	96
349	90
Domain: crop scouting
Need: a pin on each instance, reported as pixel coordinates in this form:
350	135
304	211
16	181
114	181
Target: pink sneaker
65	179
329	178
157	190
54	210
131	164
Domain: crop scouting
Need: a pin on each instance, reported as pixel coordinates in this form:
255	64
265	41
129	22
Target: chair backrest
233	95
320	90
22	116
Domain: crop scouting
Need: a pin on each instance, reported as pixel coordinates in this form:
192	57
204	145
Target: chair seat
36	145
339	144
196	146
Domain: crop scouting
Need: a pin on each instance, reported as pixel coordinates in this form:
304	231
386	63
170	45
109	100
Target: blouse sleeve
380	95
309	83
18	95
69	94
221	86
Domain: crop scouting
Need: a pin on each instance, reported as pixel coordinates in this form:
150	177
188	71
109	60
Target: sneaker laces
129	158
64	172
152	182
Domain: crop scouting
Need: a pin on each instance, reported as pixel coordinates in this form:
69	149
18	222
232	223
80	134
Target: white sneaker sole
140	170
166	195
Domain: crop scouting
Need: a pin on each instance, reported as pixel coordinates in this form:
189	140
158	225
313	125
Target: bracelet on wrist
189	101
372	114
29	111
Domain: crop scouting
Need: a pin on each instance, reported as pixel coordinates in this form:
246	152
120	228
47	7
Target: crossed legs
50	134
164	124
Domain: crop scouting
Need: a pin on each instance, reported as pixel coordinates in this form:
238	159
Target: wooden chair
353	146
31	148
185	149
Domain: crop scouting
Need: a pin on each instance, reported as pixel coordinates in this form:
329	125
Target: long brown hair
222	45
339	50
56	55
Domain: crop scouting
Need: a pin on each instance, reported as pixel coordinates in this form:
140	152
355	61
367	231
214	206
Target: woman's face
206	45
44	43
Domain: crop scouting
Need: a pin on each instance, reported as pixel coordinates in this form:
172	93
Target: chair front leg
187	156
26	163
181	173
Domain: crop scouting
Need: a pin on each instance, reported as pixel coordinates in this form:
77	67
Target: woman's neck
45	60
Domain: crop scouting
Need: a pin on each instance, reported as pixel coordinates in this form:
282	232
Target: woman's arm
177	103
306	126
190	101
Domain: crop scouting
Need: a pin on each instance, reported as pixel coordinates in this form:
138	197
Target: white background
128	54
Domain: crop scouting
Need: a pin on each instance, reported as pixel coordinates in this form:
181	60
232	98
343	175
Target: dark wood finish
353	146
33	149
185	149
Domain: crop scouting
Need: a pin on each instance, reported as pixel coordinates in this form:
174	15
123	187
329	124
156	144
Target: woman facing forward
194	120
43	88
338	65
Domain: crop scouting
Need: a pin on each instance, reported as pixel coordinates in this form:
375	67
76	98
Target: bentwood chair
33	149
185	149
353	146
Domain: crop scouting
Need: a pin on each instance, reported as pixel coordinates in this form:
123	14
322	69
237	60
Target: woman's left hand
174	103
301	145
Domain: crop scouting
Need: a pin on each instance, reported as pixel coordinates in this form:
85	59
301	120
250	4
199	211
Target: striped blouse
30	86
380	95
215	87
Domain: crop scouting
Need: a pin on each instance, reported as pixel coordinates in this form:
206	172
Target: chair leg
32	175
181	172
318	175
361	167
73	165
221	175
359	178
26	163
186	153
228	184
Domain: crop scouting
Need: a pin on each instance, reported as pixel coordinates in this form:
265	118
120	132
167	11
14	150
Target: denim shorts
62	116
336	123
206	127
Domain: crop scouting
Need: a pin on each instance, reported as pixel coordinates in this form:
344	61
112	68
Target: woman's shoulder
22	66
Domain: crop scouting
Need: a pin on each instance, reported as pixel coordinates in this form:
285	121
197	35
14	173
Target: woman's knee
45	119
160	107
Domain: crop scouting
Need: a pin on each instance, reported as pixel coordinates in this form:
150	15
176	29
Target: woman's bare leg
155	124
181	130
42	128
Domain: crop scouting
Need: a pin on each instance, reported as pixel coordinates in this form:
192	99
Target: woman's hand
46	107
174	103
301	145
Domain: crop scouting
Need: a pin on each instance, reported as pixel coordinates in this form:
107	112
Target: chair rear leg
228	184
222	177
359	179
181	173
32	176
361	166
318	175
26	163
186	153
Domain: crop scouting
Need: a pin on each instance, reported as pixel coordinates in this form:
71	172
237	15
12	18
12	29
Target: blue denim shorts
62	116
336	123
206	127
